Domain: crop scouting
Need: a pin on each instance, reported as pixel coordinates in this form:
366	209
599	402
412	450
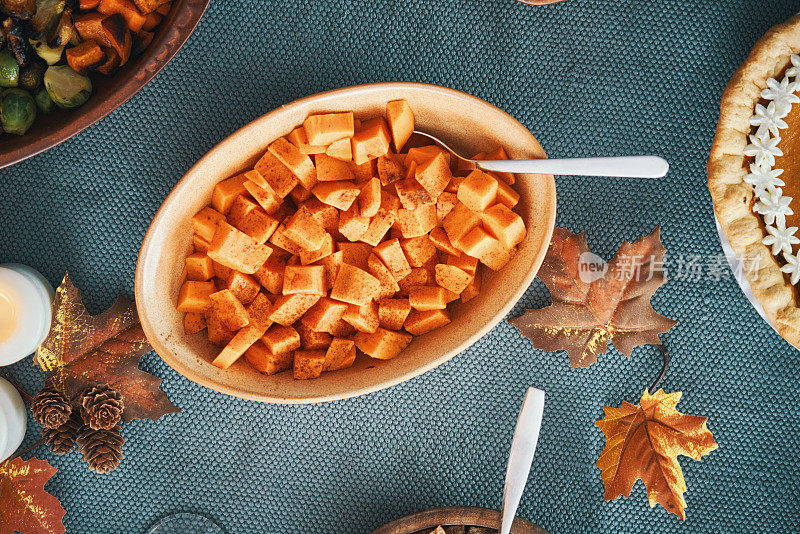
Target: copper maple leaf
586	312
25	506
643	442
83	351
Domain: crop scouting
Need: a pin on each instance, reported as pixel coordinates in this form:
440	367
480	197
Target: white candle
25	313
13	419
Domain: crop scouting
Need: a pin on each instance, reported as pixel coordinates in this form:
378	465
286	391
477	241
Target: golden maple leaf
588	309
643	442
82	351
25	506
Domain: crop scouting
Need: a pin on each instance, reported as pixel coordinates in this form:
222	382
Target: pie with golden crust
754	173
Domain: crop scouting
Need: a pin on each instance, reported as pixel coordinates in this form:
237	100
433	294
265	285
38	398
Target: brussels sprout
31	76
67	88
9	70
17	111
51	54
44	102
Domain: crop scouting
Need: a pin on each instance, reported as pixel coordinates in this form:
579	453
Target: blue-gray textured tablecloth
588	78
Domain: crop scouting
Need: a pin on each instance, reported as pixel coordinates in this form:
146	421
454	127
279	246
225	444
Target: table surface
587	78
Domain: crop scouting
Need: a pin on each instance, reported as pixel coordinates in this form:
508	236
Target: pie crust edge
732	197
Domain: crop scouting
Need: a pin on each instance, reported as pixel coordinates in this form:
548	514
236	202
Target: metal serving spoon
622	167
526	435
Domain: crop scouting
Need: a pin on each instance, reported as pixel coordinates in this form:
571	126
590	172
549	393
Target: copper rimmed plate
109	93
457	516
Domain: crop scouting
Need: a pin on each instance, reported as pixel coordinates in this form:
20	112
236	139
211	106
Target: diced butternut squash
299	139
327	128
151	21
434	175
226	191
280	240
354	285
478	191
507	196
331	169
382	344
194	322
441	241
199	267
497	256
308	279
379	270
264	361
342	329
476	243
251	219
276	174
133	17
422	322
281	338
308	364
339	194
305	230
371	141
418	250
352	224
468	264
289	308
243	286
237	250
341	354
217	334
230	311
355	254
504	224
417	222
205	222
401	122
383	220
327	248
266	197
459	222
300	164
428	298
331	264
84	57
325	214
392	255
200	244
259	311
300	194
236	347
324	314
195	296
444	205
220	271
363	318
419	276
389	169
412	195
271	275
472	289
311	339
452	278
341	149
392	313
369	199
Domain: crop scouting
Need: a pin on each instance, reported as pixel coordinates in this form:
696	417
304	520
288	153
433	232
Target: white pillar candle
25	312
13	419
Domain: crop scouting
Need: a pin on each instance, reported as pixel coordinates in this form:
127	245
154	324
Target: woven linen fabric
588	78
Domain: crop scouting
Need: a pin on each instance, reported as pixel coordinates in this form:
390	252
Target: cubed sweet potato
327	128
276	174
205	222
341	354
434	175
459	222
85	57
194	322
340	194
354	285
289	308
504	224
418	250
389	169
428	298
477	191
200	244
417	222
230	311
342	329
392	255
311	339
382	344
305	230
300	164
472	289
327	248
421	322
271	275
363	318
308	364
133	17
264	361
331	169
383	220
497	256
476	243
243	286
378	269
199	267
331	264
411	194
299	139
352	224
236	347
309	279
506	195
341	149
217	334
419	276
324	213
355	254
444	205
226	191
401	122
369	200
441	241
237	250
452	278
300	194
266	197
281	338
195	296
371	141
392	313
423	154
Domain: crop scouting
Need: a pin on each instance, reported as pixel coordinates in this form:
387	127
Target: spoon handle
521	457
624	167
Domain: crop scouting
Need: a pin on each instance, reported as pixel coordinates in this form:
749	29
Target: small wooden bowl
472	124
108	93
425	522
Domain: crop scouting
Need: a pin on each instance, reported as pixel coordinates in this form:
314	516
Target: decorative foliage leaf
587	313
643	442
25	506
83	351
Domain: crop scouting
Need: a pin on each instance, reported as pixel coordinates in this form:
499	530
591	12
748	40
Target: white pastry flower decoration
764	149
781	238
774	207
763	179
782	94
794	70
767	120
792	267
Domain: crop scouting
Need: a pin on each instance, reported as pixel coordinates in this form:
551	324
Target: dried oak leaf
643	442
25	506
83	351
587	313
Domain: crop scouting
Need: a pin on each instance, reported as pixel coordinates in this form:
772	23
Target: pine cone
101	407
62	439
101	449
51	408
